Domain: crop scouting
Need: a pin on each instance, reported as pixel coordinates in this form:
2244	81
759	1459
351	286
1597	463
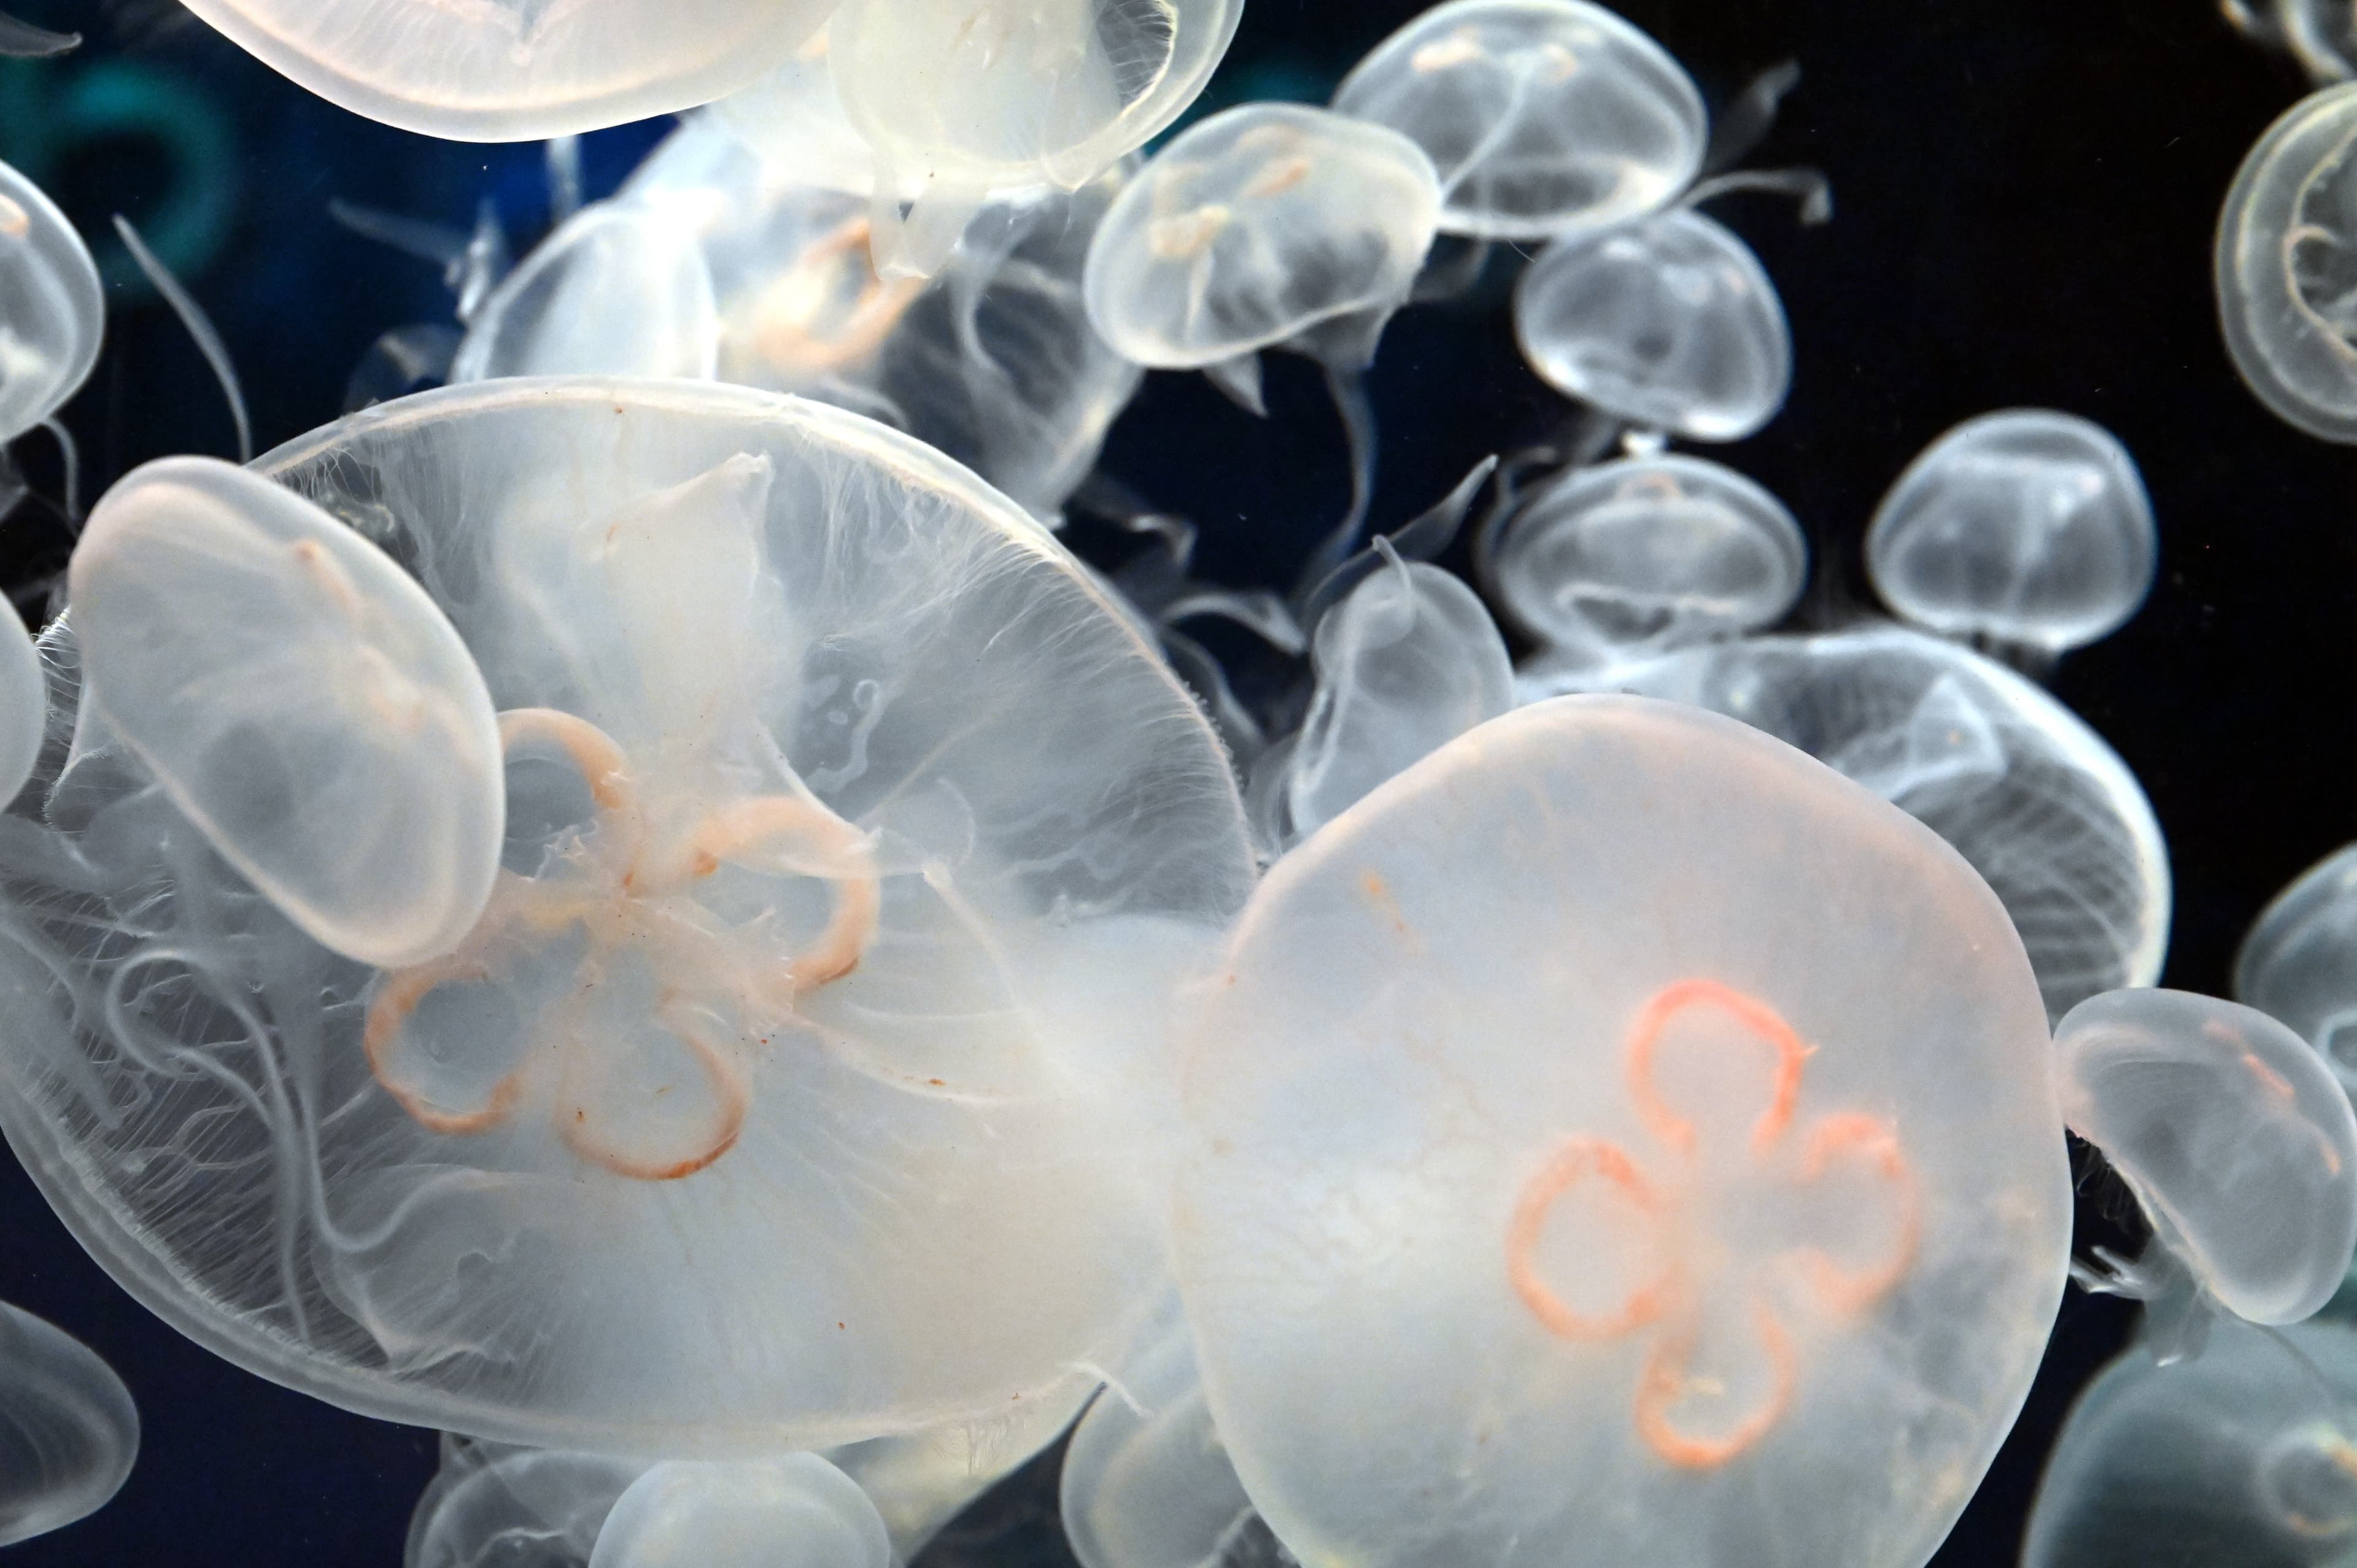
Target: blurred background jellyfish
2024	530
2036	802
515	73
1271	226
1538	1146
23	699
2321	35
69	1432
52	315
1644	555
620	288
2284	243
493	1506
1540	116
2299	964
794	1511
2239	1144
962	102
2245	1458
1667	322
787	1092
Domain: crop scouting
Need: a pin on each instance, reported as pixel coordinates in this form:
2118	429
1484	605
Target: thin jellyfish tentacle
200	328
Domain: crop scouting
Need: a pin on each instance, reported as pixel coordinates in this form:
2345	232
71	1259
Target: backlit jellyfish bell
496	1507
1667	322
793	1511
512	73
2299	964
1542	116
781	1097
1538	1147
69	1432
621	288
2026	530
51	310
2236	1140
2284	242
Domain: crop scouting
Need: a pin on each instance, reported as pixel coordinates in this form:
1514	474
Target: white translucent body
797	1511
69	1432
1408	662
2241	1458
793	118
2299	964
620	289
51	311
1542	116
921	1480
2041	807
513	70
785	1095
2028	527
1667	322
1647	554
303	700
2287	263
992	361
496	1507
967	97
1255	226
2235	1138
1619	1139
23	700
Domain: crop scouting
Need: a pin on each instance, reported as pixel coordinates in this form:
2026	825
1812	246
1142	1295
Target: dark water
2025	191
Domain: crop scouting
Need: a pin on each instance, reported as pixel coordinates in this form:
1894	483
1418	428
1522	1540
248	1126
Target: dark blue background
2027	191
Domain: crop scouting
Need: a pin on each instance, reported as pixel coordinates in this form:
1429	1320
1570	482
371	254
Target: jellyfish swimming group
644	904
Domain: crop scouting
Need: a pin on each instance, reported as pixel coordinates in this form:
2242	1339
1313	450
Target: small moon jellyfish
516	72
2299	964
69	1432
2284	243
796	1511
2246	1457
1646	555
785	1093
2236	1140
2045	810
301	700
1542	116
1668	323
52	312
492	1506
2029	528
1638	1126
620	288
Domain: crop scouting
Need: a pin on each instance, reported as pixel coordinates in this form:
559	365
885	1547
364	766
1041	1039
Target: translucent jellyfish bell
1262	227
2299	964
2245	1457
1542	1146
786	1094
24	701
920	1481
517	71
1542	116
797	1511
1647	554
2235	1138
299	698
497	1506
1668	322
2029	527
2284	243
621	288
69	1432
52	312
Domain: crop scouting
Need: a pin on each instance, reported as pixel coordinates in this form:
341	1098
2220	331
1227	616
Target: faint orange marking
1379	893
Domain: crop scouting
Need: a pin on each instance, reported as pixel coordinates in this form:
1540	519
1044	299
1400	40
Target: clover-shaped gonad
1672	1216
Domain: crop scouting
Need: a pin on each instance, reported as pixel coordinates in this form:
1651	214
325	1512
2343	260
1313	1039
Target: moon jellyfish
51	310
2028	527
2237	1141
920	1481
619	289
1642	1127
495	1506
2036	802
1647	554
69	1432
299	698
797	1511
783	1095
2286	266
1409	661
2243	1458
2299	964
1668	323
961	102
1542	116
2321	35
516	72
